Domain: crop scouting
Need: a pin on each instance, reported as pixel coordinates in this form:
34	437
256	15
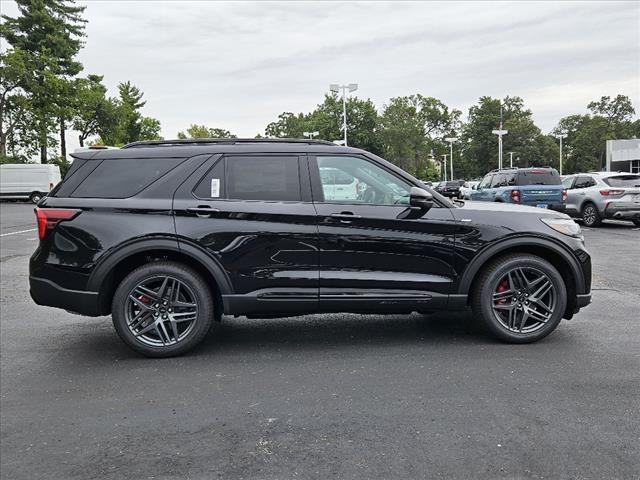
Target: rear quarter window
623	181
122	178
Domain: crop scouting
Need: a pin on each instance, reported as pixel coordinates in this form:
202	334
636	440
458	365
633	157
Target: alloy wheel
161	311
524	300
589	215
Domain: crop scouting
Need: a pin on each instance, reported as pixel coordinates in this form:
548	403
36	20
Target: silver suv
596	196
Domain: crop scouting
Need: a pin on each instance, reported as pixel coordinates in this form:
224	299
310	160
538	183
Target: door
377	254
483	192
253	215
577	193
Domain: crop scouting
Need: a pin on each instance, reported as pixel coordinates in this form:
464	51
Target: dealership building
623	155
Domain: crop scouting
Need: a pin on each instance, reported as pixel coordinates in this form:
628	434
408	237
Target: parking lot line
16	233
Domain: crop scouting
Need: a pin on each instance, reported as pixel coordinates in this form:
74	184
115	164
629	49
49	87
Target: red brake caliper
502	286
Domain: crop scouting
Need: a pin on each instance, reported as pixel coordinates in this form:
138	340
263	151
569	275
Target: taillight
515	196
48	218
611	191
564	195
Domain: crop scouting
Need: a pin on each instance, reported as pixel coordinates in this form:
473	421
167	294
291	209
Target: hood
506	207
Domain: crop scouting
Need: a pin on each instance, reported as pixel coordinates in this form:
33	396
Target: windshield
539	177
623	181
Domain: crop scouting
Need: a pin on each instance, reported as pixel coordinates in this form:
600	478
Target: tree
129	125
93	110
14	103
202	131
585	145
480	147
48	33
413	129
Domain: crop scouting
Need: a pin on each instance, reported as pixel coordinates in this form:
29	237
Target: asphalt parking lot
327	396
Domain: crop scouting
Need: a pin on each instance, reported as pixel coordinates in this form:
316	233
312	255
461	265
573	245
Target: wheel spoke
184	316
139	303
139	319
146	329
503	295
146	292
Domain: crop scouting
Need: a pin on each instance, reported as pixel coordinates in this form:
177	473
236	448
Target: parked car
597	196
32	181
449	189
537	187
467	188
167	236
338	185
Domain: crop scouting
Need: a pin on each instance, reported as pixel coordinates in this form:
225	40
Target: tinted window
369	182
539	177
623	181
124	178
584	181
212	184
263	178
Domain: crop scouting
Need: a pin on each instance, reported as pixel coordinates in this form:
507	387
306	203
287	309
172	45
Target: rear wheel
162	309
35	197
521	298
591	216
636	223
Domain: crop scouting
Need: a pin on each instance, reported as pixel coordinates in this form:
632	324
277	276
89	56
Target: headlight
566	226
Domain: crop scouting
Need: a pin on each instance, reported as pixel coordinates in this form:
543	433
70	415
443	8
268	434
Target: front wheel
162	309
520	297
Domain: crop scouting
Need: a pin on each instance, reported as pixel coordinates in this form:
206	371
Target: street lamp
500	132
561	136
310	135
335	88
451	140
444	166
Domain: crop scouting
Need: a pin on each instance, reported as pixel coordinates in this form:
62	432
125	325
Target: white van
27	180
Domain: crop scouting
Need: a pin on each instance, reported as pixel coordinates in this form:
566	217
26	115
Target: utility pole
444	166
335	88
500	132
561	136
451	140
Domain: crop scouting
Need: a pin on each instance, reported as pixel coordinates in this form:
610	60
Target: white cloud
237	65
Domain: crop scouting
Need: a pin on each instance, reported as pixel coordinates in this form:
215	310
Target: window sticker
215	187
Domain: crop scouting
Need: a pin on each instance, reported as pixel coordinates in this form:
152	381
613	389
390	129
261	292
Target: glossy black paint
269	258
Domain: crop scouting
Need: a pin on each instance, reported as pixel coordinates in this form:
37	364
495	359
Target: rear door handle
202	211
345	217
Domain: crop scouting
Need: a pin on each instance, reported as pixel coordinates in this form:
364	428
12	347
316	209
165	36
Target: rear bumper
50	294
622	210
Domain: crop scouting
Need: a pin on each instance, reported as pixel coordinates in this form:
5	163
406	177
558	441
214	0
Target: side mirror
420	198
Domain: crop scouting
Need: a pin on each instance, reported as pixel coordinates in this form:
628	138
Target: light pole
444	166
335	88
500	132
310	135
510	159
561	136
451	140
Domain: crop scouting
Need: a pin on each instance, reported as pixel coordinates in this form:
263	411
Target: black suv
168	236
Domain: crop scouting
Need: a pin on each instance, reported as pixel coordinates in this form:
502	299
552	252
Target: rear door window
123	178
212	185
623	181
267	178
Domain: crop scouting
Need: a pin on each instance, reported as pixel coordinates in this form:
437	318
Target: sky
238	65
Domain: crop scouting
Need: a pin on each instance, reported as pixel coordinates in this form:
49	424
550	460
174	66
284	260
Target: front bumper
50	294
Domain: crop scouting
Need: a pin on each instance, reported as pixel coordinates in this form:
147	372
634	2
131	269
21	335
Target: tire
497	313
636	223
590	215
138	309
35	197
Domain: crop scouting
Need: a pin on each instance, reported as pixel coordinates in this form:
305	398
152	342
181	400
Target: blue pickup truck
536	187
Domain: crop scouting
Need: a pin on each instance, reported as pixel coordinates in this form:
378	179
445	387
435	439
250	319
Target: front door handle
202	211
345	217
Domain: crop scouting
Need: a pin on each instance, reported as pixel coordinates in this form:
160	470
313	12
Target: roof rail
223	141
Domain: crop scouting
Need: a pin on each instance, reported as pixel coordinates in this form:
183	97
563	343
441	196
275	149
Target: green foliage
584	147
413	129
62	163
202	131
46	35
93	110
